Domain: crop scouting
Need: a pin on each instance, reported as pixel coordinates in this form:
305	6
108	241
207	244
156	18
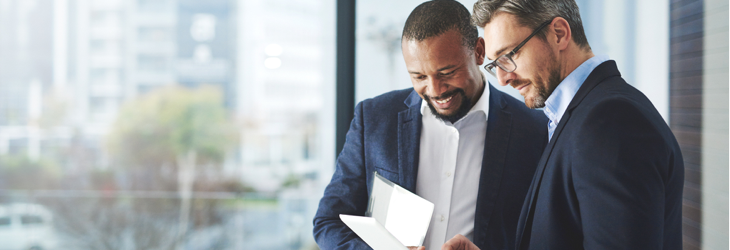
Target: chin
530	102
445	113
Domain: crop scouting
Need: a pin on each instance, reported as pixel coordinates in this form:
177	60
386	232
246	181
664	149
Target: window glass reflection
164	124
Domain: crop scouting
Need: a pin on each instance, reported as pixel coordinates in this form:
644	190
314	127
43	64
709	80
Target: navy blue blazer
385	136
611	176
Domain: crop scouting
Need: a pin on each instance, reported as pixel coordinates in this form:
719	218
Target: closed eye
448	73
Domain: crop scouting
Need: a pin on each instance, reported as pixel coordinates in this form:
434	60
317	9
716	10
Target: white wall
715	126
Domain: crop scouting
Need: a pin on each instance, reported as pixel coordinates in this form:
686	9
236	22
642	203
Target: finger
450	245
458	242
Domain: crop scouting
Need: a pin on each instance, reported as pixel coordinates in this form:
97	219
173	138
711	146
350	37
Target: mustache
518	82
445	95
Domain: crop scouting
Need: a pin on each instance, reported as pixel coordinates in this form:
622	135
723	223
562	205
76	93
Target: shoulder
390	101
616	99
615	110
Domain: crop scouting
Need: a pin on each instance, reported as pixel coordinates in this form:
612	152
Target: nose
436	87
504	78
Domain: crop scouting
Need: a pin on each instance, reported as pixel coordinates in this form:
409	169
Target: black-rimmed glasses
505	61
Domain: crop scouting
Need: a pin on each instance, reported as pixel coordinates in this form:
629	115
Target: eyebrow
500	52
441	69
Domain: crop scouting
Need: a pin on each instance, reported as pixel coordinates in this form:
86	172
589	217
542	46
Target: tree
21	172
172	128
170	125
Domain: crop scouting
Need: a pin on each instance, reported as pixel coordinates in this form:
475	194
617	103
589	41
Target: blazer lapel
499	124
409	141
524	226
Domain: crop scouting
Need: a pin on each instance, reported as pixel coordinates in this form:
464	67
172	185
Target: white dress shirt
449	166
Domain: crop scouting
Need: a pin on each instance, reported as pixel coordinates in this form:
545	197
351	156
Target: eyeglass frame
495	63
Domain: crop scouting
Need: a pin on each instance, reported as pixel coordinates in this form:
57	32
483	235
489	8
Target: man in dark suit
453	139
612	174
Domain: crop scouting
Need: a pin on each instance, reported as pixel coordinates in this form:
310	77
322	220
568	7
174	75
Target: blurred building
26	73
68	66
285	85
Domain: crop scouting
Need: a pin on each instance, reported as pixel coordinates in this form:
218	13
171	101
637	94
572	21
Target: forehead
502	34
440	50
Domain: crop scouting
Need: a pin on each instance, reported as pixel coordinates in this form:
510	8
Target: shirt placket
447	183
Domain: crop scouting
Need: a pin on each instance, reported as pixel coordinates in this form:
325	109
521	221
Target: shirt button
442	218
448	174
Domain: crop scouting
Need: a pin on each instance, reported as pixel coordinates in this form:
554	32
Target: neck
479	92
572	58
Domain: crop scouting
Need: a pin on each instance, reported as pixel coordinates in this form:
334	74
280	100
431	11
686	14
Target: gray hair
532	13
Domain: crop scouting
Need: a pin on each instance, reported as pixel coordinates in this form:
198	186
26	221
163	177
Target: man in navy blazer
612	175
443	54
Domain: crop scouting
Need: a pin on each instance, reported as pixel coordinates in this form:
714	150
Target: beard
544	88
464	106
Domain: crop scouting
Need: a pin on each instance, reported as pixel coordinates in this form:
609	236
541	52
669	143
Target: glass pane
30	220
165	124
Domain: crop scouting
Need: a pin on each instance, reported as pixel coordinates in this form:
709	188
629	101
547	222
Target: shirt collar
481	105
558	101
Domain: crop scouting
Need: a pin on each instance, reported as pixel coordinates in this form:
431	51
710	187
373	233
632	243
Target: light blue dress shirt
558	101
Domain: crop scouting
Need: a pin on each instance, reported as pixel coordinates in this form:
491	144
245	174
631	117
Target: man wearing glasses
452	139
612	174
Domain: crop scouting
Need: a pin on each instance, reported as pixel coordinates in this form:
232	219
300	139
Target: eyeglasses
505	61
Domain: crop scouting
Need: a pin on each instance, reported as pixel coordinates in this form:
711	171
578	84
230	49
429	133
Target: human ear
479	51
561	32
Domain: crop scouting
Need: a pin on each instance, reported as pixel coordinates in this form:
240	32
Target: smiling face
538	71
445	73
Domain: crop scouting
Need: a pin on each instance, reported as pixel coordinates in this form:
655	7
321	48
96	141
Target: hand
417	248
459	242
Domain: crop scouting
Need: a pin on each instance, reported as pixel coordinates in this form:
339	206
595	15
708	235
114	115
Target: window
176	124
153	63
30	220
153	34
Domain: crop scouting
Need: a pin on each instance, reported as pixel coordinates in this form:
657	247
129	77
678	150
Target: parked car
25	226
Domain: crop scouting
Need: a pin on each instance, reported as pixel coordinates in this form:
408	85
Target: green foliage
157	127
21	172
291	181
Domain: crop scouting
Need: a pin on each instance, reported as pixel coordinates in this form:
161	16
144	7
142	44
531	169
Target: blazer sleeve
621	167
347	193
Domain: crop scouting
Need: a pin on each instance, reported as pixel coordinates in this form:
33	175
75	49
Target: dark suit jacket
385	136
611	176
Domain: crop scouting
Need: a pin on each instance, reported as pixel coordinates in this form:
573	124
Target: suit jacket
385	135
611	177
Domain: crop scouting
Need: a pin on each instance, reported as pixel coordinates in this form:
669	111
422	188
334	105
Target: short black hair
433	18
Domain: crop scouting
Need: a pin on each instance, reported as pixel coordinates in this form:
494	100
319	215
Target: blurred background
187	124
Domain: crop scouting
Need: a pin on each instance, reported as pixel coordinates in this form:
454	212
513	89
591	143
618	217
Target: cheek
532	64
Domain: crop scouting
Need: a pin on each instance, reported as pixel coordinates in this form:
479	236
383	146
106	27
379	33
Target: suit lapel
499	123
524	226
409	141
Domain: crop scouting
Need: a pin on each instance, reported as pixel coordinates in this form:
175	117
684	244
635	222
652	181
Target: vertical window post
345	81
